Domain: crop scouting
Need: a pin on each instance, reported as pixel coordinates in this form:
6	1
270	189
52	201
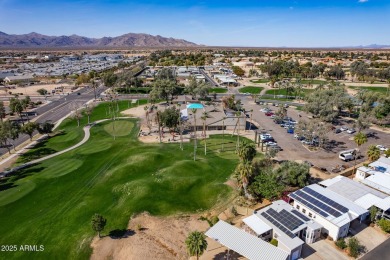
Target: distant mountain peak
127	40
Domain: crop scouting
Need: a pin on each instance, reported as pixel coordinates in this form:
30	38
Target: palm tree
195	144
360	138
243	173
204	118
247	152
196	243
223	131
373	153
238	114
180	128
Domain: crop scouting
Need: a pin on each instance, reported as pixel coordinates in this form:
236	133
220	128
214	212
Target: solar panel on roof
285	218
319	204
309	205
278	225
325	199
300	215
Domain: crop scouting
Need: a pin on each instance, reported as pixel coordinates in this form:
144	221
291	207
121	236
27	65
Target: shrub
274	242
354	247
384	224
373	211
214	220
340	243
234	211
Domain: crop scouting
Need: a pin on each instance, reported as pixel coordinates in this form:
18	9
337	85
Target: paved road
209	79
380	252
57	109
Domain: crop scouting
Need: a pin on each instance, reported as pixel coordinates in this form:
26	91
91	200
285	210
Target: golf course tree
88	110
5	129
2	111
266	184
244	170
98	223
196	243
247	152
29	129
194	110
204	117
77	113
46	127
170	119
163	89
373	153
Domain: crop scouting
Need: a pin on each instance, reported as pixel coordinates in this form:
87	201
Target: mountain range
34	40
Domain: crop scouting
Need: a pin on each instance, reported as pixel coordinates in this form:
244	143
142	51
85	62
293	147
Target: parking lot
321	158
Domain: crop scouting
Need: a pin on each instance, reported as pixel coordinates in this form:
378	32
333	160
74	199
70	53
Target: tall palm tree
196	243
360	138
223	132
243	173
195	144
373	153
180	128
204	118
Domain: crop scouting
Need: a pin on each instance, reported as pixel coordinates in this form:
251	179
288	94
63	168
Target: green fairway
218	90
382	90
313	82
283	92
259	80
51	203
68	134
251	89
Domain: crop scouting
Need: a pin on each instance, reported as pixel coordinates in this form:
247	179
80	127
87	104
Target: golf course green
51	203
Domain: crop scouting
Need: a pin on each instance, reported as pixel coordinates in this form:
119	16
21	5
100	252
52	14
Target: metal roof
353	190
244	243
256	224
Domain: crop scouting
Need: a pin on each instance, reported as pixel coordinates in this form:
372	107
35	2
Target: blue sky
261	23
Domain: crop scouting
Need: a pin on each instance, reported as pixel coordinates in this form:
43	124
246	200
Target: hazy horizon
262	23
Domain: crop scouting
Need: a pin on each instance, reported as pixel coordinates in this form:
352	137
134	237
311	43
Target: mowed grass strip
53	205
259	80
218	90
382	90
251	90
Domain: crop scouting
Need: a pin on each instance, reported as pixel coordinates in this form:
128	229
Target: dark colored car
337	130
269	114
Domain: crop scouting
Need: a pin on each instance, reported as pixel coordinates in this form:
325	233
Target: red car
269	114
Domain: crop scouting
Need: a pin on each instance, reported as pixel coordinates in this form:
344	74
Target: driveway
322	250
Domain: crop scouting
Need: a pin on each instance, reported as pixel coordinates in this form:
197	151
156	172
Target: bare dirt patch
159	238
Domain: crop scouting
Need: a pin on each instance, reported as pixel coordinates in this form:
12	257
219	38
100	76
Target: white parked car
343	128
382	148
265	110
351	131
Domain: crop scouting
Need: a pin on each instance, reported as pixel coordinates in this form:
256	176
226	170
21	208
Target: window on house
310	215
298	207
304	210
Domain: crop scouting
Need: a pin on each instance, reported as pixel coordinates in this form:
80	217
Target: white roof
379	181
352	207
353	190
244	243
366	201
256	224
